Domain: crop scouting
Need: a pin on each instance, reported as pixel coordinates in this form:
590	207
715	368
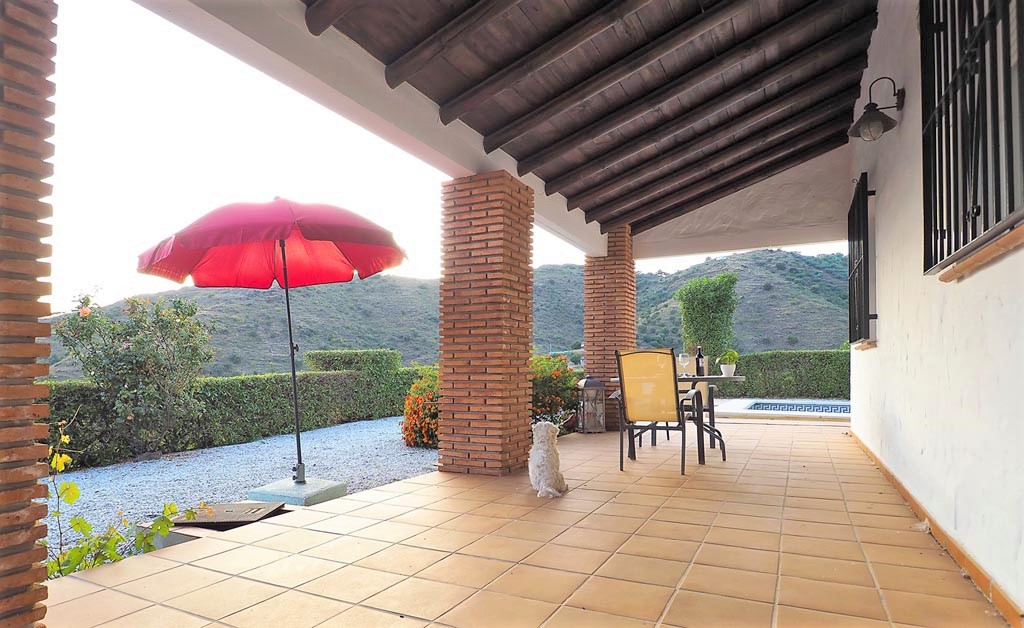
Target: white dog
545	475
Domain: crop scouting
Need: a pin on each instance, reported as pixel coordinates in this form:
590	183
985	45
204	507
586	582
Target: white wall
941	398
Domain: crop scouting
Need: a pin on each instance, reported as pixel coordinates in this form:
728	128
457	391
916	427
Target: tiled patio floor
796	529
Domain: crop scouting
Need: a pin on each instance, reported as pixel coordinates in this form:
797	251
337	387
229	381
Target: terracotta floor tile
899	538
380	511
883	521
424	517
617	597
618	509
474	523
113	574
816	515
643	569
495	610
441	539
825	548
591	495
639	499
295	541
591	539
570	617
360	617
670	530
347	549
748	585
342	524
194	550
483	495
412	501
424	599
402	559
524	499
844	599
684	515
225	597
300	517
792	617
626	525
501	548
538	583
743	522
505	511
575	505
530	530
652	547
752	510
818	504
468	571
690	609
292	571
926	581
552	516
67	588
909	557
869	508
744	538
252	532
372	496
351	583
819	530
340	506
294	609
930	610
153	617
567	558
827	569
93	609
240	559
390	531
688	503
738	558
455	505
164	585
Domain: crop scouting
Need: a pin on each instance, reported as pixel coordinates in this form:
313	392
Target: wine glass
684	360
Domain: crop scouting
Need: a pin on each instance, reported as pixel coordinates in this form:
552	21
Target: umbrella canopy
237	246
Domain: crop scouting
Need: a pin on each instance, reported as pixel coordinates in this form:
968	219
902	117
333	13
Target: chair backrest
647	379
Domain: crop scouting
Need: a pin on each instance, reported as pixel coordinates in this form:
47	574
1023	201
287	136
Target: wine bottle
700	361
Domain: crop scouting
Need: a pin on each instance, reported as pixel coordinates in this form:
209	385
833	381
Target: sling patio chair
649	400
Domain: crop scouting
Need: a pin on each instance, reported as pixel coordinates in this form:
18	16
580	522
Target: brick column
486	324
26	62
609	312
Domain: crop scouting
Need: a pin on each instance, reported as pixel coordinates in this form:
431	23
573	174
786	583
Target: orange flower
84	311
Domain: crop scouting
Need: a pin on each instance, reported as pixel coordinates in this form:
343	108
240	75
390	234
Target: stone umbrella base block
313	492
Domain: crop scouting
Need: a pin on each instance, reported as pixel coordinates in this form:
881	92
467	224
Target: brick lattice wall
26	62
609	312
486	324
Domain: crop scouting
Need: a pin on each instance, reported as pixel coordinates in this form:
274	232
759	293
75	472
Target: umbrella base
309	493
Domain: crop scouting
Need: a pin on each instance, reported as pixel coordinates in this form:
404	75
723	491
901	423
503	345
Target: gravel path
363	454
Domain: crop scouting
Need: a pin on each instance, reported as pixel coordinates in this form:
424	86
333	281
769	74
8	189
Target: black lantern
591	405
873	123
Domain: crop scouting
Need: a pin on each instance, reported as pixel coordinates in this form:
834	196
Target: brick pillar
609	312
26	62
486	324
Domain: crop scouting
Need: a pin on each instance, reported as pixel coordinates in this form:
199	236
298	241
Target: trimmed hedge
241	409
383	360
792	374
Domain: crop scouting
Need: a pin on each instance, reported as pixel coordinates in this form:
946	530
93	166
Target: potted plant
727	362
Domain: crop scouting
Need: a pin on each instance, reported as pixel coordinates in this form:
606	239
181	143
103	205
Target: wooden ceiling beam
800	97
830	144
448	36
539	58
793	25
773	136
324	14
709	180
628	65
687	120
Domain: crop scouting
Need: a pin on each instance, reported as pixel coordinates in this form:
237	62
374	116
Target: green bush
381	360
792	374
239	409
707	306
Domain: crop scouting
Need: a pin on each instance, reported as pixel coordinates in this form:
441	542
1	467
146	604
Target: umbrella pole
299	469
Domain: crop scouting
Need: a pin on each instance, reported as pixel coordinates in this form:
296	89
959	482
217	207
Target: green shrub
419	427
792	374
707	306
380	360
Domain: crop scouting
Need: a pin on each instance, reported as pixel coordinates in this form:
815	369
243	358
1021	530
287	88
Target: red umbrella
252	245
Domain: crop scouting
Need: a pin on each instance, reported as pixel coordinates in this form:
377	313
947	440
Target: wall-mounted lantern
873	123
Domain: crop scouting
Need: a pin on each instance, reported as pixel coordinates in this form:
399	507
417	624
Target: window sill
984	256
864	345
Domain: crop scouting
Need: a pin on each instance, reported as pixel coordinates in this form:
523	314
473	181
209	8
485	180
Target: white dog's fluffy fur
545	475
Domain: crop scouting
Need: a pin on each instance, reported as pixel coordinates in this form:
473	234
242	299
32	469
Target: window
857	235
972	85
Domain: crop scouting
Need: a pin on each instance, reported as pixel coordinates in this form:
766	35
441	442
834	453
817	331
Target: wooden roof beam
831	143
684	122
324	14
634	62
539	58
448	36
709	180
790	26
800	97
758	142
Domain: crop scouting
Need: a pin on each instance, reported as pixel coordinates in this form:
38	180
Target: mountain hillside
786	301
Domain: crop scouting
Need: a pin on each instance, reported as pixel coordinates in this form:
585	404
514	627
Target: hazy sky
155	127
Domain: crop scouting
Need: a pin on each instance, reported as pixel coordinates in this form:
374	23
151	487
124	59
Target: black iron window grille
857	235
972	84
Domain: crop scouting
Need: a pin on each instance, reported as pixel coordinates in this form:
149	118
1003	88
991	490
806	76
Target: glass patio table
711	380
